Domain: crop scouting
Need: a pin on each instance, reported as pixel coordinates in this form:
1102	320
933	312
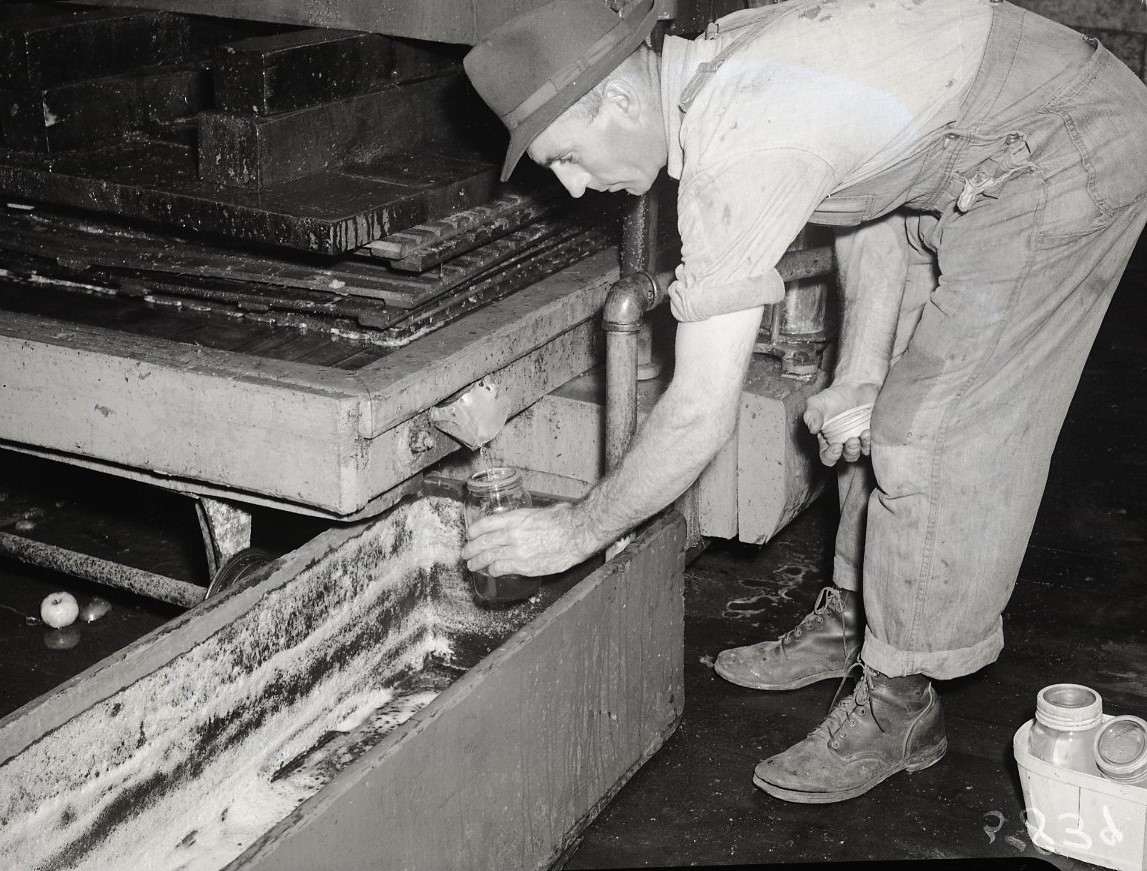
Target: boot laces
828	599
844	712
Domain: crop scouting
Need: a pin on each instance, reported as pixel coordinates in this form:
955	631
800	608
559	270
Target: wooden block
778	471
43	51
109	109
449	184
289	71
258	152
417	59
717	506
329	212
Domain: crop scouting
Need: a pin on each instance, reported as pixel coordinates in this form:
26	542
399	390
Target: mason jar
494	491
1067	718
1121	750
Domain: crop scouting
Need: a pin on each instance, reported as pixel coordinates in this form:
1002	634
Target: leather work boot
887	725
823	645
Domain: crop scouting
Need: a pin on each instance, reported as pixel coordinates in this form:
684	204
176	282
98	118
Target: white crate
1084	816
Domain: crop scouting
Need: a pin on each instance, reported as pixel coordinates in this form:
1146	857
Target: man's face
616	150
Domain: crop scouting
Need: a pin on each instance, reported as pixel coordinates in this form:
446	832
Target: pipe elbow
628	300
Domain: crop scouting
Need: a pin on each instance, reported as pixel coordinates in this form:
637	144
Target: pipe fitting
628	301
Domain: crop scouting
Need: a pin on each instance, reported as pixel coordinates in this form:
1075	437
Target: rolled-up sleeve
736	219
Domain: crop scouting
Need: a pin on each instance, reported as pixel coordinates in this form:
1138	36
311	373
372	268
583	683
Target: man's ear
624	98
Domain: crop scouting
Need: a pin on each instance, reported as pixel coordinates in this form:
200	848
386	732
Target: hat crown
535	66
518	58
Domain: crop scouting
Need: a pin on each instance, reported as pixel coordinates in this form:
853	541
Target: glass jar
1121	750
493	491
1067	718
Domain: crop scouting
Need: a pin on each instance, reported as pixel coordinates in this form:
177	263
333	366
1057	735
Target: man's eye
565	158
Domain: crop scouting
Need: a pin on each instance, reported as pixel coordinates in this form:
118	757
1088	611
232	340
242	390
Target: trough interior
188	766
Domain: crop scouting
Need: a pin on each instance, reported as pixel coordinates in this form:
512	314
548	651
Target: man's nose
572	178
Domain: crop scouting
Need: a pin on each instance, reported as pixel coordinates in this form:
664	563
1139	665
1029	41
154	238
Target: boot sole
801	797
792	685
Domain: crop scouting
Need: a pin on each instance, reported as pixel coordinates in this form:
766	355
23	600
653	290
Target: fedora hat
534	67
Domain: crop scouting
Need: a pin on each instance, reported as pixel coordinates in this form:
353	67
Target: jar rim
1070	707
492	479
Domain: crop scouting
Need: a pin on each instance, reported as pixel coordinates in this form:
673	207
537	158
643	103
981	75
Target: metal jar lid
1121	749
1069	707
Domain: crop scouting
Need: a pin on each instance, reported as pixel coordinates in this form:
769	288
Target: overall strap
753	25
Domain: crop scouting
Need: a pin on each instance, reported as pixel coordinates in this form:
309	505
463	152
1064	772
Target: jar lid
1121	748
494	479
1070	707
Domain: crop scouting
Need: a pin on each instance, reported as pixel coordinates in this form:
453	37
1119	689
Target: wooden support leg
226	530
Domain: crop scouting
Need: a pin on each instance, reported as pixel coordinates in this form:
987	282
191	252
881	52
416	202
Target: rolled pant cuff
936	664
845	574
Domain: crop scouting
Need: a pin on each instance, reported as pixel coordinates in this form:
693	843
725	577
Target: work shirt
817	96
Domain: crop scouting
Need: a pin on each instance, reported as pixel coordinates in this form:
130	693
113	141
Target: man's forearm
667	455
689	424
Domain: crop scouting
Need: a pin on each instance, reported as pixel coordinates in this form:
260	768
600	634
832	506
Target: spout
474	416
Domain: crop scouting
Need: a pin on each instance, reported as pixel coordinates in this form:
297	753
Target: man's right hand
834	400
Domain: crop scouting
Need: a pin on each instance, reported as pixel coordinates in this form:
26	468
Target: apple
59	609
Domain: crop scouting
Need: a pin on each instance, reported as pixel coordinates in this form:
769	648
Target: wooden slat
346	277
282	430
55	240
427	371
419	248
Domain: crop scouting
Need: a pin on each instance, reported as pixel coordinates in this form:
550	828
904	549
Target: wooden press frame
303	438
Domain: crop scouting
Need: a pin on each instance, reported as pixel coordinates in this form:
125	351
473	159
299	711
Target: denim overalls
1031	202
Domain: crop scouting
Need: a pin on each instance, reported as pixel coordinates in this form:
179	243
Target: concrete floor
1079	614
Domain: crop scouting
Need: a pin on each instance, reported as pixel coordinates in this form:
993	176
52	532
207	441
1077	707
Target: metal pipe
90	568
620	394
625	306
623	314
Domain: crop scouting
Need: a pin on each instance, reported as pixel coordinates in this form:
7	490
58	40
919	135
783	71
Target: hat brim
528	130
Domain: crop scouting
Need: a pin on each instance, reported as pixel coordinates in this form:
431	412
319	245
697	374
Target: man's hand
833	401
528	541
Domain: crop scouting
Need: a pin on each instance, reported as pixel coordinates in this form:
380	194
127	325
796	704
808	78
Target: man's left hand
838	398
528	541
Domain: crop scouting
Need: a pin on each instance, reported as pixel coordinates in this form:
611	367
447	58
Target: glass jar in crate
1121	750
493	491
1067	718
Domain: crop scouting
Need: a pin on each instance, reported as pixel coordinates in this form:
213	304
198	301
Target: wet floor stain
772	591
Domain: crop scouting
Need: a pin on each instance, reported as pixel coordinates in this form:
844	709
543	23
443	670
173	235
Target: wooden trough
352	707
